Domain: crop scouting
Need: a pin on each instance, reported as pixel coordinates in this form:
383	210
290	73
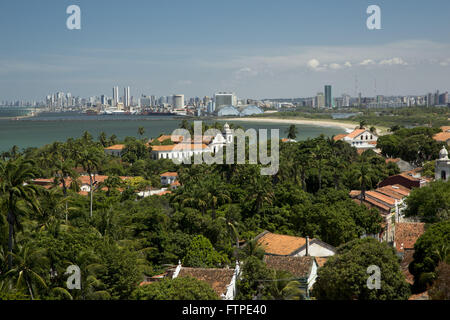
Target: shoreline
322	123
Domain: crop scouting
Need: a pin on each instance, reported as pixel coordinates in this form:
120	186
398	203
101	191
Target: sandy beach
324	123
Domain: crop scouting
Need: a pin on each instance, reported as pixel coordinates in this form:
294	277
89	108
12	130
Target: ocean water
47	128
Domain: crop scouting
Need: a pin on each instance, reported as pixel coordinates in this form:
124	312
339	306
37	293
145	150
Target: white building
178	101
442	167
359	138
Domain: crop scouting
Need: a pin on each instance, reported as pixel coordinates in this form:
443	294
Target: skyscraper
328	97
115	99
320	100
126	97
225	99
178	100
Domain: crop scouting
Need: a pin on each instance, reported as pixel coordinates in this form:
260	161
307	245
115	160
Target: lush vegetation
118	238
414	145
431	249
344	276
379	117
430	203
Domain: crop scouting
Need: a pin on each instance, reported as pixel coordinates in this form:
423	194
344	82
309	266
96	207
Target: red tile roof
379	196
218	279
298	266
406	234
280	244
339	137
169	174
355	133
116	147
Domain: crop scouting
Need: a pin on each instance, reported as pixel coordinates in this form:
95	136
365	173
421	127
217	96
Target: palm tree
363	178
15	187
362	124
285	287
320	154
292	132
103	139
141	131
29	263
90	159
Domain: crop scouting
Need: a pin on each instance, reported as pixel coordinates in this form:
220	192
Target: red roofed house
359	138
304	269
443	136
222	281
284	245
168	178
405	236
115	150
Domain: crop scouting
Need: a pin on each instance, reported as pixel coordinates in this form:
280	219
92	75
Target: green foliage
180	288
430	203
201	254
430	249
414	145
344	276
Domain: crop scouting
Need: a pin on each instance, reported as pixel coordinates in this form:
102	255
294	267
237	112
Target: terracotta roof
218	279
339	137
116	147
176	183
186	147
280	244
379	196
395	160
420	296
442	136
355	133
162	193
321	261
373	203
169	174
43	180
445	128
354	193
390	192
298	266
407	233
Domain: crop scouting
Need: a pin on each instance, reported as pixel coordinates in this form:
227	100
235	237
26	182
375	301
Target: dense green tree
201	254
344	276
17	194
180	288
430	249
430	203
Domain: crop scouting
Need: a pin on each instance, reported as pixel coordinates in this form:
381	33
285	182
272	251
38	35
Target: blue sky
259	49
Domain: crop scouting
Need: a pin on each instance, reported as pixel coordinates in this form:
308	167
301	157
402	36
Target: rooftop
407	233
116	147
218	279
278	244
298	266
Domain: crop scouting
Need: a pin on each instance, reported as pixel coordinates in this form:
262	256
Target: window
443	175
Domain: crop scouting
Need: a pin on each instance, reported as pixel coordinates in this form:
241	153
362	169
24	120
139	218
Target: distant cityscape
219	104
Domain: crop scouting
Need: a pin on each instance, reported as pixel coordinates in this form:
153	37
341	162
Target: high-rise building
178	101
126	97
224	99
115	99
328	97
443	98
320	100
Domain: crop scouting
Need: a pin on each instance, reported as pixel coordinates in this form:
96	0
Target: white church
442	167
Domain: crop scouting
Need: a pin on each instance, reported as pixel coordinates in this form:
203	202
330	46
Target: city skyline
261	50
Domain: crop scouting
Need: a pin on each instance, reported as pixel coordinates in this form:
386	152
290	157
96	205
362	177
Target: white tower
442	168
228	133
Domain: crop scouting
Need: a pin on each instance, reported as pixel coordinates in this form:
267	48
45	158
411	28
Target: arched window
443	175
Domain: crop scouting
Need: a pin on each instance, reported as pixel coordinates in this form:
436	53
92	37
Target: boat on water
91	112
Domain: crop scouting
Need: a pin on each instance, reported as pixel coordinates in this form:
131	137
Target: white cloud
313	63
335	66
367	62
393	61
347	64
